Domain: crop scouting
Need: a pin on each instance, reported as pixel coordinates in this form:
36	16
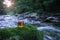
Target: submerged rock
52	19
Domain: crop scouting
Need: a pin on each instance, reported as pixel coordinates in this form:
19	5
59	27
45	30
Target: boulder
52	19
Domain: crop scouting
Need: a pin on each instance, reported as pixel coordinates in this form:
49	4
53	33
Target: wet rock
52	19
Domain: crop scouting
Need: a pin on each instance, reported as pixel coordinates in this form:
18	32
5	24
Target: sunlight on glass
8	3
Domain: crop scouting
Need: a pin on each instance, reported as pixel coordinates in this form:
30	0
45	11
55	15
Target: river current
50	32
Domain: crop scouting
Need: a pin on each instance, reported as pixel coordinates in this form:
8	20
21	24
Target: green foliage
4	34
38	6
28	32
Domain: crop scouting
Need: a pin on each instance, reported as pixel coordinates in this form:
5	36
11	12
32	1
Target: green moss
28	32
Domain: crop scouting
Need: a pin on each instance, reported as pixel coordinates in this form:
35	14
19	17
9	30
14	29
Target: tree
1	8
31	5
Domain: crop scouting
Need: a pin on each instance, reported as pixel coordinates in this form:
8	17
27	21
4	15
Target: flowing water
50	32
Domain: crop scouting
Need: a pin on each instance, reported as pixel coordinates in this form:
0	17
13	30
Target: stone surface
52	19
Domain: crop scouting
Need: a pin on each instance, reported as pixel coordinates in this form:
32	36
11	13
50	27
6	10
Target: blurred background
50	7
40	18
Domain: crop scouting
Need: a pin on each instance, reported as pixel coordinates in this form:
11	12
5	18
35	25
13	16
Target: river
51	32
